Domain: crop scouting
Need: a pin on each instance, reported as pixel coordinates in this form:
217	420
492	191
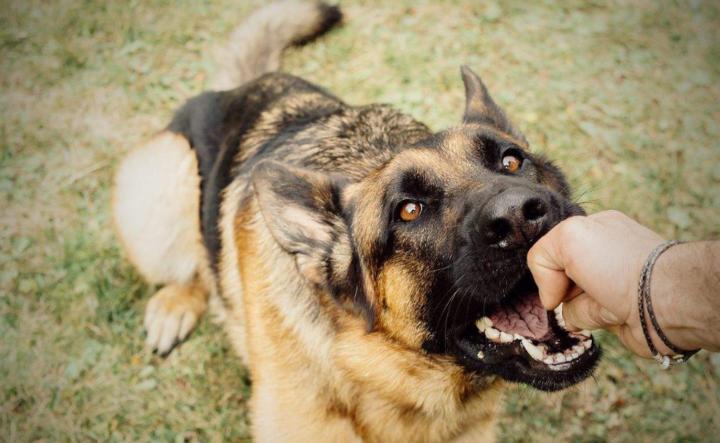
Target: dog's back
282	246
157	193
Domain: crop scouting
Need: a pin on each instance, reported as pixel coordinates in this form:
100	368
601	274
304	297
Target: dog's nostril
497	230
534	209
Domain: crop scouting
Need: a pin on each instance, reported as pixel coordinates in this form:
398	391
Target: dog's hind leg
156	215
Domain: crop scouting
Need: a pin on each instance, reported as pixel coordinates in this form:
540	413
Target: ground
625	95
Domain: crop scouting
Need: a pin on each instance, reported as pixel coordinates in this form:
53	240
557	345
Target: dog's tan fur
163	240
378	382
320	380
254	47
164	169
318	372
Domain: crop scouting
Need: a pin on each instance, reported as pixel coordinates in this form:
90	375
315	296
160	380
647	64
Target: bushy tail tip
255	47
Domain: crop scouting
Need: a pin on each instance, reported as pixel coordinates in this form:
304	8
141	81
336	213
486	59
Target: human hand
592	265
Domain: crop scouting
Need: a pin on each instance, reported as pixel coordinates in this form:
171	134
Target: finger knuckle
571	229
611	214
572	238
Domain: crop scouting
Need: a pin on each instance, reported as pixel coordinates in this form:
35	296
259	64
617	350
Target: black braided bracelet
644	302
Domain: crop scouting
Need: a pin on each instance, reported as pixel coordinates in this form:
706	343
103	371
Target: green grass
626	98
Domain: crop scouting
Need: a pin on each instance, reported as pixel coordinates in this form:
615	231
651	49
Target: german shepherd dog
371	274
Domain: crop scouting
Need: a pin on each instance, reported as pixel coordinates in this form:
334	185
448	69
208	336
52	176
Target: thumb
583	312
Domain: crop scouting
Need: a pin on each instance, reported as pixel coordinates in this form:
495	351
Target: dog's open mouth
521	341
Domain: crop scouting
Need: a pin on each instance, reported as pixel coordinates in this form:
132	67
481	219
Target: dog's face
431	247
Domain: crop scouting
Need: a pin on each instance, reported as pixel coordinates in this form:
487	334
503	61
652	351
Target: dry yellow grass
625	95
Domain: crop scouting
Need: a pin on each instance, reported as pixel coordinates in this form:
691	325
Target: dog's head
431	246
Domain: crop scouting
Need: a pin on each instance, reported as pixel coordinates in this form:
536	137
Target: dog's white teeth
492	333
483	323
505	337
560	360
536	352
559	366
539	352
559	316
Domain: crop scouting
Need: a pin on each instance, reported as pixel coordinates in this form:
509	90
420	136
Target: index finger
546	265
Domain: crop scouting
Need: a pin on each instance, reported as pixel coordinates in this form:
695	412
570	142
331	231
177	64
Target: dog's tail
255	47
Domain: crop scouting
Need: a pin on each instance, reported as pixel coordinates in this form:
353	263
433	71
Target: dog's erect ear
481	108
303	212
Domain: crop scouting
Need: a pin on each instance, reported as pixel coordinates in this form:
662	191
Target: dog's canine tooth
587	344
534	351
288	229
585	333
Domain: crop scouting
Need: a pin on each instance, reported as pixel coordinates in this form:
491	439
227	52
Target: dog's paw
171	314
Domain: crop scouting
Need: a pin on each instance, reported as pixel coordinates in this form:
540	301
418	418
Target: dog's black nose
513	218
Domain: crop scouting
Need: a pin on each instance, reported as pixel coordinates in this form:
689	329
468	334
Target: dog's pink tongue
526	317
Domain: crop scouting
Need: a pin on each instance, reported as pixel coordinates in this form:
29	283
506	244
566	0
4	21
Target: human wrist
688	310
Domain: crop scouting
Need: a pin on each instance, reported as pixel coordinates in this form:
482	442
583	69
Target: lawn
624	95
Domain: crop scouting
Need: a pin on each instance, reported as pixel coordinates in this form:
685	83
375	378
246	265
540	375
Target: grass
624	95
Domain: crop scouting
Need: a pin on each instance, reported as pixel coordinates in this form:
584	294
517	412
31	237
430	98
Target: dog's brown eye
511	163
410	210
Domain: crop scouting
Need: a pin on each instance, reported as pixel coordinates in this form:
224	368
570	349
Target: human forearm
685	287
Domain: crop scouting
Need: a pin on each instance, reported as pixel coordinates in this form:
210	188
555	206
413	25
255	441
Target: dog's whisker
350	246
